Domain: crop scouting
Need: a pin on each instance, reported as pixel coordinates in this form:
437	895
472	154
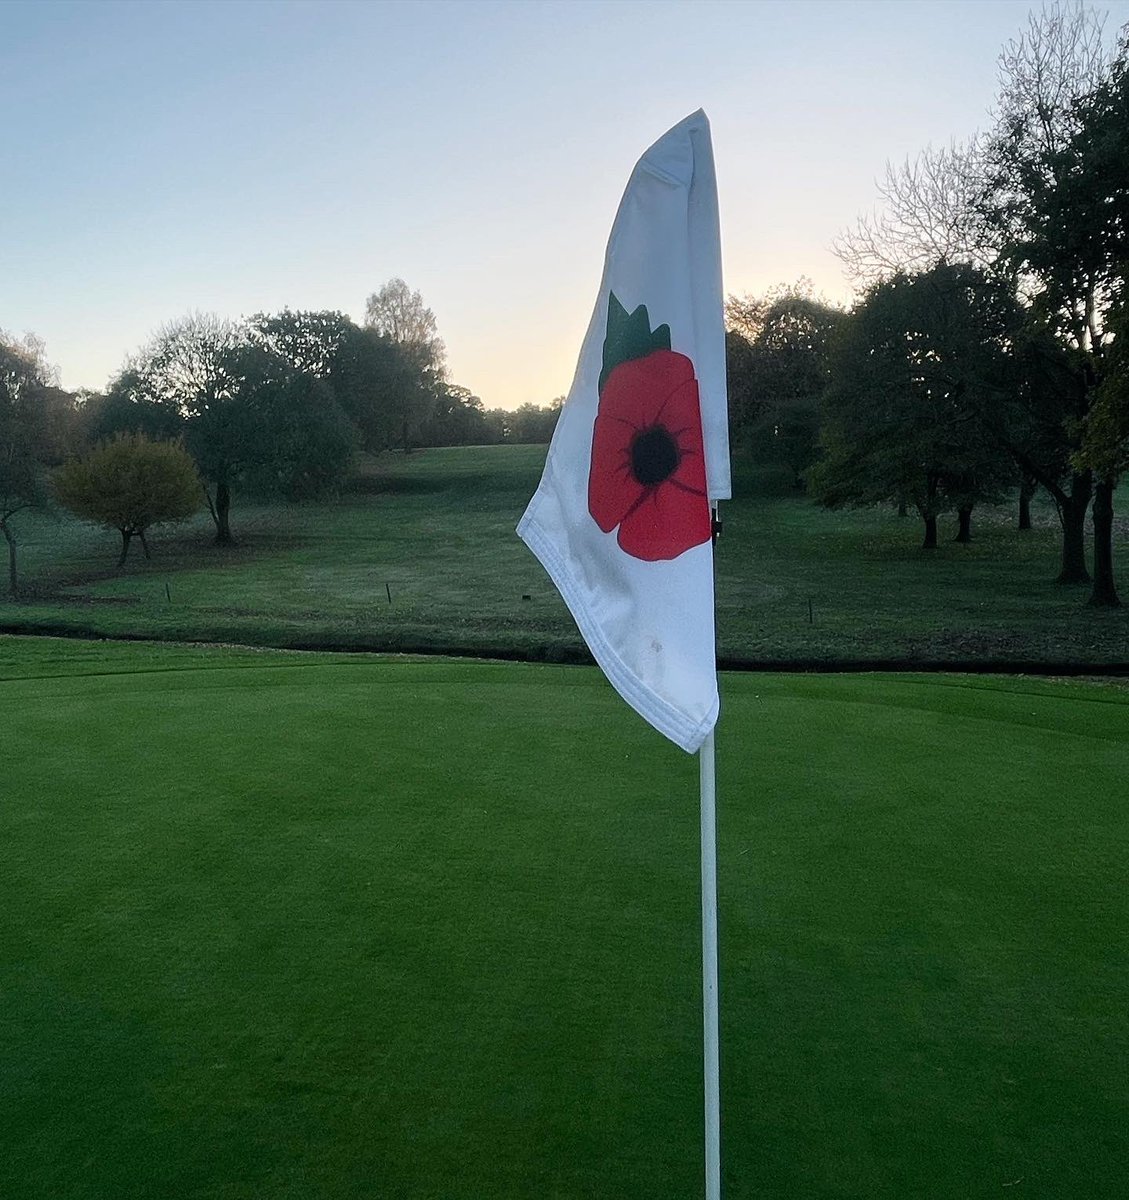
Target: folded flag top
621	519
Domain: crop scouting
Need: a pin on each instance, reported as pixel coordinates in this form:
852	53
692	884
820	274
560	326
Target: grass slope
319	926
422	555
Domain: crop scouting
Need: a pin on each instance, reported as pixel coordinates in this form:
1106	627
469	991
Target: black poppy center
654	456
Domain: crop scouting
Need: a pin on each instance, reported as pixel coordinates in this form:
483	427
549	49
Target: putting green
292	926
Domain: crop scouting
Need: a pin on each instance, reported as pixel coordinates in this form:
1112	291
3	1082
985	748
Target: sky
235	157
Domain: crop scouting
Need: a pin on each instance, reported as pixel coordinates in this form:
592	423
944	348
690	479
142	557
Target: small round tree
131	483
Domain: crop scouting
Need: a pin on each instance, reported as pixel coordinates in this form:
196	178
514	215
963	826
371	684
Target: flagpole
709	970
707	765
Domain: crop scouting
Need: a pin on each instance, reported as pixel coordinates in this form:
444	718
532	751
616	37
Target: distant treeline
277	404
986	354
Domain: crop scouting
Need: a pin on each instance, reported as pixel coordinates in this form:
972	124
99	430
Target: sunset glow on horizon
242	157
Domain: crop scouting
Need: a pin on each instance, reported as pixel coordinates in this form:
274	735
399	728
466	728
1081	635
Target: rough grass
320	926
420	554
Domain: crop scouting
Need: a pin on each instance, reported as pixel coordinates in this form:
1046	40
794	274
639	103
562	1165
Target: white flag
621	519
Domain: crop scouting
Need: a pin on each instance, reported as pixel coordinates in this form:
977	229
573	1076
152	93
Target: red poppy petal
691	470
636	390
655	522
612	489
667	523
681	414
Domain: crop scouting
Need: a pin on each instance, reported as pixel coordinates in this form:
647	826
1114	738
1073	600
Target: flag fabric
622	519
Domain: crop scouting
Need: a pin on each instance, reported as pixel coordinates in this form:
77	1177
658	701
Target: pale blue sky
236	157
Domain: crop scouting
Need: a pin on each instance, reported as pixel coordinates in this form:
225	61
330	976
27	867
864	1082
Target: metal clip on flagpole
709	955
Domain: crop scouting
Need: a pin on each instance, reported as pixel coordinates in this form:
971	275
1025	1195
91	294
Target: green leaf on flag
629	336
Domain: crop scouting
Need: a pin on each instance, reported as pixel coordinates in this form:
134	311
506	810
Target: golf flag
621	519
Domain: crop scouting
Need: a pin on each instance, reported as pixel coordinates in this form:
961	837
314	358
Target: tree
24	435
1101	150
497	426
533	424
399	315
271	426
928	215
133	403
1105	451
372	377
306	440
745	401
245	412
458	419
1046	233
179	384
130	484
783	373
908	372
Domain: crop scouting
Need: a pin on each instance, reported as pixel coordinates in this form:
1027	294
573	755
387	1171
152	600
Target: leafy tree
398	314
458	419
271	426
372	377
133	404
309	340
497	426
24	436
1046	224
244	411
306	441
788	370
1101	151
533	424
745	401
130	484
909	370
179	385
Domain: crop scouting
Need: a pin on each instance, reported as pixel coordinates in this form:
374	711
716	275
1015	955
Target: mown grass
326	926
420	554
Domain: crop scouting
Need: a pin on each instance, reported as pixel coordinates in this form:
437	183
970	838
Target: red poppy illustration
648	472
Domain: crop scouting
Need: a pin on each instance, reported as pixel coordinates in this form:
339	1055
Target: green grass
434	531
326	926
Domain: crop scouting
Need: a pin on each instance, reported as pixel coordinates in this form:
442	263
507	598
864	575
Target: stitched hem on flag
667	719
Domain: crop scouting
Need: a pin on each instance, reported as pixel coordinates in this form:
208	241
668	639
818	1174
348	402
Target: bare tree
1061	57
928	216
1058	60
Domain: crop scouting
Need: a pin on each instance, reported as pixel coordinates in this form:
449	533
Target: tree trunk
964	533
12	584
144	543
930	542
211	506
1104	594
1072	510
223	508
126	535
1027	486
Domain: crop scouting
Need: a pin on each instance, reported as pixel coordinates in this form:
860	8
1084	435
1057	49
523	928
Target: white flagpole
706	763
709	971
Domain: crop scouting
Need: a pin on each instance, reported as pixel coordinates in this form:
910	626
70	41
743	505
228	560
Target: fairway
282	925
419	554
